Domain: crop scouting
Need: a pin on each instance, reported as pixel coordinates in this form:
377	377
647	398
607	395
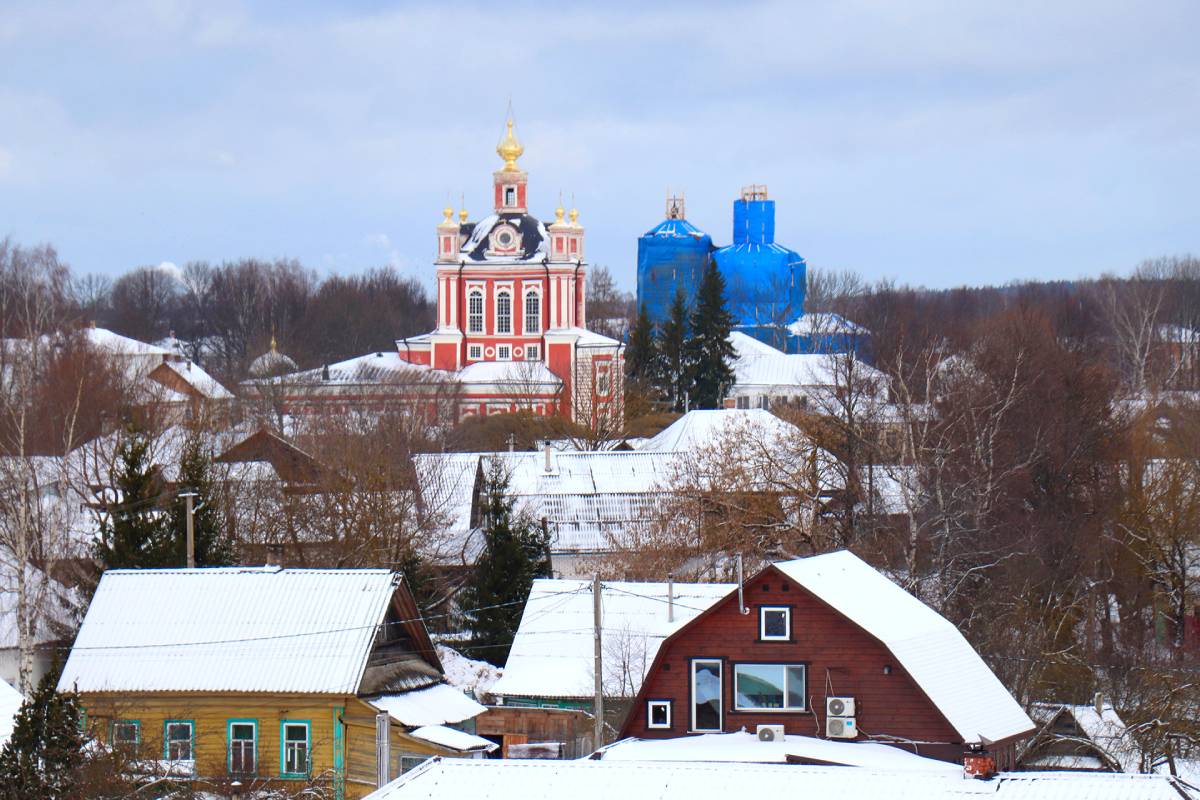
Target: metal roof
651	780
237	629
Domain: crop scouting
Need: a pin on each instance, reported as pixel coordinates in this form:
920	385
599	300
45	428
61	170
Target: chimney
549	465
979	763
670	597
275	554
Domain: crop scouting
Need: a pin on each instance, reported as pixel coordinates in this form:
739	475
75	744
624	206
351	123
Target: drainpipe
741	603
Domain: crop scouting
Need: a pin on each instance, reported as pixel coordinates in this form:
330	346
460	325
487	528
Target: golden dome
448	213
574	217
462	216
510	149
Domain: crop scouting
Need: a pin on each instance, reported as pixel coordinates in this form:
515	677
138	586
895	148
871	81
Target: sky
933	142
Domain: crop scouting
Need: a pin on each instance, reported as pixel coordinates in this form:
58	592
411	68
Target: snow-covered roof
378	368
759	365
271	363
440	704
116	344
700	429
521	374
552	652
933	652
586	779
453	739
469	675
10	704
586	337
1104	728
744	746
191	373
235	629
826	323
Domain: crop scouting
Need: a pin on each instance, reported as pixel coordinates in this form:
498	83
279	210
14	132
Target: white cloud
172	269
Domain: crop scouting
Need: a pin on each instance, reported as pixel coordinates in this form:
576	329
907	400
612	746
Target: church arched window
503	312
533	312
475	311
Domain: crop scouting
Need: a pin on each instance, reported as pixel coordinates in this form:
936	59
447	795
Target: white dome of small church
272	363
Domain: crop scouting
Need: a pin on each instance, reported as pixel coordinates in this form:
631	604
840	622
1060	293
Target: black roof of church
529	228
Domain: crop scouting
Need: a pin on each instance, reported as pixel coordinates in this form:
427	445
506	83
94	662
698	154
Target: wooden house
828	646
268	676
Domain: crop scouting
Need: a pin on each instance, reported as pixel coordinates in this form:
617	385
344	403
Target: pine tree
641	357
214	547
515	551
709	353
43	756
673	354
135	533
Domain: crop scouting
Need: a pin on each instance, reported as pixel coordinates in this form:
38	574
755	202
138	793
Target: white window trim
533	352
650	704
762	624
283	747
167	740
783	709
525	314
253	725
503	352
474	352
476	292
504	292
720	700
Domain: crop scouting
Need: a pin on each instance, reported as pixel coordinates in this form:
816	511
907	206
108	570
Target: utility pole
598	733
189	496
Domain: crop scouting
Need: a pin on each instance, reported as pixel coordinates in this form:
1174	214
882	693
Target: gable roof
236	629
603	780
552	652
1114	747
927	645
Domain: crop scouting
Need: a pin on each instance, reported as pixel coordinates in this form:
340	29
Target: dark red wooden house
829	647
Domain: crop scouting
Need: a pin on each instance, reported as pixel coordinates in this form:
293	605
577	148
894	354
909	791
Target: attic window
658	714
510	195
775	623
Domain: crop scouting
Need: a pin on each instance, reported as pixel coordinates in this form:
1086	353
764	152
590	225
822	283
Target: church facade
512	310
511	330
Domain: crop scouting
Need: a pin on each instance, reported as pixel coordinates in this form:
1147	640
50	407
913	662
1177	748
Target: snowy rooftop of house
236	629
521	373
198	379
10	704
378	368
1104	728
115	343
700	429
454	739
743	746
552	652
933	652
586	779
824	324
440	704
759	364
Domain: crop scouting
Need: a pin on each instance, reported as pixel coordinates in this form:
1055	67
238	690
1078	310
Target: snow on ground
467	674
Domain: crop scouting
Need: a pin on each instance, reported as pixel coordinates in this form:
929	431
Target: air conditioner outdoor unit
770	733
840	728
839	706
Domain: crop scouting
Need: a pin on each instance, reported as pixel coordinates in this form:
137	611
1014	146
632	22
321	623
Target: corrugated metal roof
552	652
651	780
240	629
928	646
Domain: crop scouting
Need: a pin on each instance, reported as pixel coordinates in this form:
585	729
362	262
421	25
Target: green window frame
290	749
137	733
230	749
168	741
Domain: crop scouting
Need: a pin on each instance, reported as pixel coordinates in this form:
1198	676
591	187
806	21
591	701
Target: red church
511	315
511	310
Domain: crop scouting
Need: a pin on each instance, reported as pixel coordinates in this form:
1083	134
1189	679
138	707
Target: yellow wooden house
266	677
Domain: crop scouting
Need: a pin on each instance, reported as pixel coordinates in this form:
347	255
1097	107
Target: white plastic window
532	352
707	694
775	623
658	714
474	352
769	687
503	352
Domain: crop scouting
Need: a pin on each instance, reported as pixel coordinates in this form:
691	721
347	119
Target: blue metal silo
672	255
